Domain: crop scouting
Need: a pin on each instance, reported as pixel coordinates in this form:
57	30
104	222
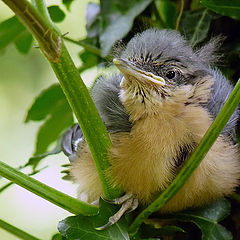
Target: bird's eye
171	74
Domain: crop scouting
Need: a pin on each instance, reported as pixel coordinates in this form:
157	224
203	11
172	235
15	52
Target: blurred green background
22	77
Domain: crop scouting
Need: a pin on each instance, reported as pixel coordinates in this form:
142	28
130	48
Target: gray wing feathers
105	94
220	93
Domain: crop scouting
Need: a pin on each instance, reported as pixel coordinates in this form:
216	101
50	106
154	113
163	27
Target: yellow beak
127	69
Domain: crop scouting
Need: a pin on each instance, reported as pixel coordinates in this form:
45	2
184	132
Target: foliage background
22	78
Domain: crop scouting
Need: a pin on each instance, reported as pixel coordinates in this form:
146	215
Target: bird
156	110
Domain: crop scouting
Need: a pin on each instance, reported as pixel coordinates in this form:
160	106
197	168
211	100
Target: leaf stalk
16	231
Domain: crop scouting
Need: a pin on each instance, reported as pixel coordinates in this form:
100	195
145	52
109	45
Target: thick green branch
92	126
195	159
52	195
75	90
16	231
42	9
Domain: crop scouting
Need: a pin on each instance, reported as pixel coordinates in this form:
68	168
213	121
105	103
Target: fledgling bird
156	111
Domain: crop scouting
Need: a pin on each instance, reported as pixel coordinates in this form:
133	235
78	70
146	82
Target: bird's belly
142	162
145	172
141	168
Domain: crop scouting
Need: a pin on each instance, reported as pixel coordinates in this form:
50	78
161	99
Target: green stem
16	231
74	88
94	130
11	183
6	186
180	14
88	47
195	35
52	195
194	160
42	9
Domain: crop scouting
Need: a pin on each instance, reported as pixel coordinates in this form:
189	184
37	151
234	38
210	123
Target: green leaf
224	7
195	25
168	12
53	106
24	42
67	3
57	236
53	127
9	31
88	60
147	231
207	219
117	19
46	103
56	14
80	227
33	161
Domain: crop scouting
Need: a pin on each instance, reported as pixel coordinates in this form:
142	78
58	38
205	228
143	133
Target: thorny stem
194	160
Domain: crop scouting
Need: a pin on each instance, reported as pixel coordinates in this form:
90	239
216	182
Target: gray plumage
221	90
169	47
105	94
155	44
157	111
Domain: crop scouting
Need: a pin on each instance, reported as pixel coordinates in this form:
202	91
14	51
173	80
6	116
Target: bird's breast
144	160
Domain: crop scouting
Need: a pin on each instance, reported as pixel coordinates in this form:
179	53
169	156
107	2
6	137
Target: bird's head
159	68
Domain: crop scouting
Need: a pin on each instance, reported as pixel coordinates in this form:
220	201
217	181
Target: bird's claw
129	203
119	200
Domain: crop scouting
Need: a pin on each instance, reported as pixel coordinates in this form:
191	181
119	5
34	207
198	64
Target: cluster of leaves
107	24
206	219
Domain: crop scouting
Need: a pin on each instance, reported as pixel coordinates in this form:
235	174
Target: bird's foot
129	204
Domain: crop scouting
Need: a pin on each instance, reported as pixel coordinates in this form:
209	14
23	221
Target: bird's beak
126	68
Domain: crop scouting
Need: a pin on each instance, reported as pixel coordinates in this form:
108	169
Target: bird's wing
220	93
105	94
